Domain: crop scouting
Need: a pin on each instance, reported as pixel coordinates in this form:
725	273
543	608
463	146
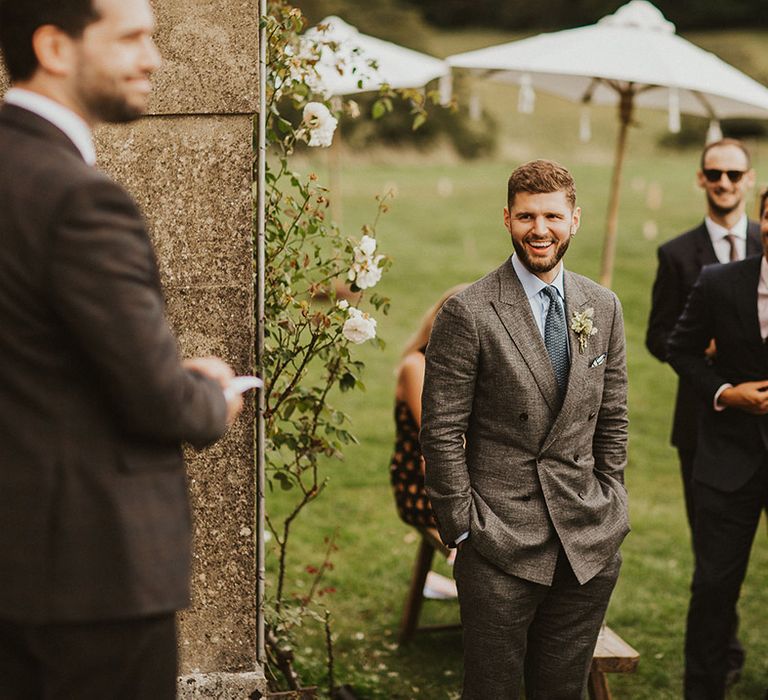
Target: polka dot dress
406	471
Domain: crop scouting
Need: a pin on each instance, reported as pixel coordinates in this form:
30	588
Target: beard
543	265
113	109
103	100
719	209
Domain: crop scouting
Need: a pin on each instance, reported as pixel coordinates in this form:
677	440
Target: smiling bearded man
524	436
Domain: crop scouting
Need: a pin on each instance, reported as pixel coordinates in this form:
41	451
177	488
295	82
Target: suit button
523	416
592	415
576	458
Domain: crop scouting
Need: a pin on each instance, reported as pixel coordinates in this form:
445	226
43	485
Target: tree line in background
557	14
401	20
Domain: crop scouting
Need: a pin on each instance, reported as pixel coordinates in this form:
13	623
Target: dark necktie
734	255
556	338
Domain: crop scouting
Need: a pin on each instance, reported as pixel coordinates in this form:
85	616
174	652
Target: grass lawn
444	227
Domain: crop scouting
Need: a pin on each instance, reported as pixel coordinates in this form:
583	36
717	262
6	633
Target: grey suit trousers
515	628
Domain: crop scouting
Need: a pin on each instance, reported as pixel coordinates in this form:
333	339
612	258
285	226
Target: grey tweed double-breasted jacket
505	461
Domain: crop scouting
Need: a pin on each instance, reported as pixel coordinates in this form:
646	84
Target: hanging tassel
445	87
585	124
674	111
526	97
475	108
714	132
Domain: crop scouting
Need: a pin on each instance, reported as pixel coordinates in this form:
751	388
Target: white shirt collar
532	285
65	119
716	231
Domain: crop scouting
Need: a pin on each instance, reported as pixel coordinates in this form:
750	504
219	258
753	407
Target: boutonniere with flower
583	327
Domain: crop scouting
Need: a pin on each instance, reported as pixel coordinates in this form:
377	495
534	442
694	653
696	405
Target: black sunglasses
714	175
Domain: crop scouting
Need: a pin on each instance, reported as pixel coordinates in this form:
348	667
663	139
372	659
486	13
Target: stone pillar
188	164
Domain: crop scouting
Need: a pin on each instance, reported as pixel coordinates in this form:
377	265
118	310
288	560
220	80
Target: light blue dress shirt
532	287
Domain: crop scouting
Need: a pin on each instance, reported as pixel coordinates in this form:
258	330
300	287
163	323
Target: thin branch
329	651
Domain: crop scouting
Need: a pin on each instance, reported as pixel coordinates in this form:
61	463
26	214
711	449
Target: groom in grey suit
524	435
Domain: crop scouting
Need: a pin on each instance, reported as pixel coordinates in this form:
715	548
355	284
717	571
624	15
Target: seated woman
407	465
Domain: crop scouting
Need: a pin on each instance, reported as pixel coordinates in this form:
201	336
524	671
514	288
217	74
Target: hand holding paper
239	385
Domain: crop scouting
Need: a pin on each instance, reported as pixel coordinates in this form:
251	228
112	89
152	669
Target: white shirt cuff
463	536
717	405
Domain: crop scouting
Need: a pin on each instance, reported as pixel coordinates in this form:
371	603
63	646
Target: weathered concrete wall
191	177
188	164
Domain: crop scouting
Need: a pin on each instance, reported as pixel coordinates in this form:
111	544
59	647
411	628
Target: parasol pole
626	104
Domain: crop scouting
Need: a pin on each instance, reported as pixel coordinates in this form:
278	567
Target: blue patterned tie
556	338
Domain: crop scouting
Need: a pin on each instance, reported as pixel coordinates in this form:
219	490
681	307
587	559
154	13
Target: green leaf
418	121
347	381
284	126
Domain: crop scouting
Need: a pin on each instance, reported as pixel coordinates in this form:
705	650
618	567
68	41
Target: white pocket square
598	360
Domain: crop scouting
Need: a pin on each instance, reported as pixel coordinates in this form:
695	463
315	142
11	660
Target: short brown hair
20	19
725	142
763	198
541	177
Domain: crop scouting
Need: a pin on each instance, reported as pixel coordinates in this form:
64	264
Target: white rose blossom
368	274
342	304
365	271
366	247
359	327
320	123
301	68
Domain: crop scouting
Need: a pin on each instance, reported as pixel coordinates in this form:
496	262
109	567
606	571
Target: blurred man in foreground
94	513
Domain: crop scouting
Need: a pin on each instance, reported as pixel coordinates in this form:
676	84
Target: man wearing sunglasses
725	235
730	477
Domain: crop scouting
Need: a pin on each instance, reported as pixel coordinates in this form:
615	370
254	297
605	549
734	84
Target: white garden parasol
352	62
632	58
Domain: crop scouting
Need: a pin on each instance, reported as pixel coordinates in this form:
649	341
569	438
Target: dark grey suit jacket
680	262
723	306
532	473
94	406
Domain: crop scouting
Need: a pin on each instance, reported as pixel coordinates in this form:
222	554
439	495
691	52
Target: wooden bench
612	653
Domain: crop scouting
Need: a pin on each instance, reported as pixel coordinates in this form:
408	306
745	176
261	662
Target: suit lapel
705	252
514	311
746	301
576	301
754	244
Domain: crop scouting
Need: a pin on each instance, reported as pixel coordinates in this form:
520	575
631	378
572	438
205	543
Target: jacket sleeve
667	301
692	335
104	287
609	444
452	360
